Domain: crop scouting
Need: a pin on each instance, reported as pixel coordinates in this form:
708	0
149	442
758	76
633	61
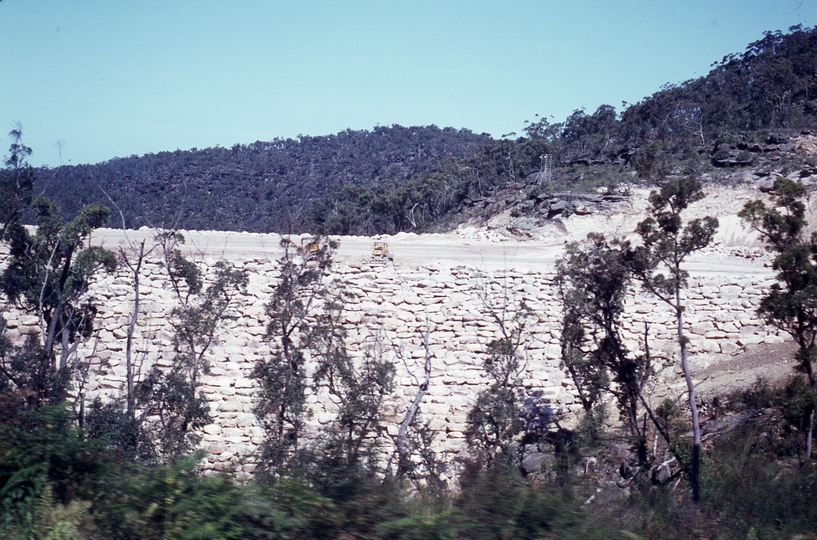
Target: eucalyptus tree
162	408
49	274
16	182
351	454
791	304
657	264
593	280
494	420
297	303
171	395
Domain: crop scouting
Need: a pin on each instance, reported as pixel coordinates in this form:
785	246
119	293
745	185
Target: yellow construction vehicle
380	254
309	245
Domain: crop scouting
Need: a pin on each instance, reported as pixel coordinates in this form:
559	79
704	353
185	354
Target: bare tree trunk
807	352
410	216
411	412
693	406
134	268
59	311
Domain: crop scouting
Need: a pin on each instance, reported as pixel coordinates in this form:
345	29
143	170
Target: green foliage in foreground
57	484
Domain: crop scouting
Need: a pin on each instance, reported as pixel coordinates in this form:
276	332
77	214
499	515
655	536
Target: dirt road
437	250
494	247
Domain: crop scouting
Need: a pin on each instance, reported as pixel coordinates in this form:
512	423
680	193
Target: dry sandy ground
493	247
771	363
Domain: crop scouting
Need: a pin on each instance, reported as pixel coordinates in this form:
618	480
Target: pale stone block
245	420
436	408
229	406
353	317
218	448
730	290
709	345
715	334
730	347
749	340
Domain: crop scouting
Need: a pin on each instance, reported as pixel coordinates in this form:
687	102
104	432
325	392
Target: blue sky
90	80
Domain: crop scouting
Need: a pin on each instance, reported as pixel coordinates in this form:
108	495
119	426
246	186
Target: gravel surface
493	246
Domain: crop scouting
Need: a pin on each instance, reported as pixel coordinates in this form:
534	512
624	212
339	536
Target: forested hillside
264	186
742	114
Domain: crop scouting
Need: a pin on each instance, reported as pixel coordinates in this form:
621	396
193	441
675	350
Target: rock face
394	306
759	163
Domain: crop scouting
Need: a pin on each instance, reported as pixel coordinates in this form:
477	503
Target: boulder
536	461
523	226
662	474
765	184
745	176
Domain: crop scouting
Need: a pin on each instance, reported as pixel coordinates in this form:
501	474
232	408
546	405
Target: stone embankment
390	307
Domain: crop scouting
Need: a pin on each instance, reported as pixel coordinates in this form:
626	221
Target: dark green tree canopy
666	240
16	183
50	271
791	304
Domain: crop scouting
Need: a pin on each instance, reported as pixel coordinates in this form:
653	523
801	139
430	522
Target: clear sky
90	80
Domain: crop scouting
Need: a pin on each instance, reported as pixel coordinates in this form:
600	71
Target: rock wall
393	306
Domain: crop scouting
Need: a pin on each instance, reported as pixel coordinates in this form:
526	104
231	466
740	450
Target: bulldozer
380	254
309	246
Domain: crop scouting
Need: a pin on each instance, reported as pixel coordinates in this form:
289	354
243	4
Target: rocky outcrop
759	163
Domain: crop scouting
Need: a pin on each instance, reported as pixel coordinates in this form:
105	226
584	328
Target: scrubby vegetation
57	482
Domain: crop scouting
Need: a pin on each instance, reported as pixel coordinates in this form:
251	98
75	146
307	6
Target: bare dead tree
403	450
494	420
133	256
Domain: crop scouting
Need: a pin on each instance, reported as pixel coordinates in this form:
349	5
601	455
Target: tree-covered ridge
260	187
743	114
769	86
